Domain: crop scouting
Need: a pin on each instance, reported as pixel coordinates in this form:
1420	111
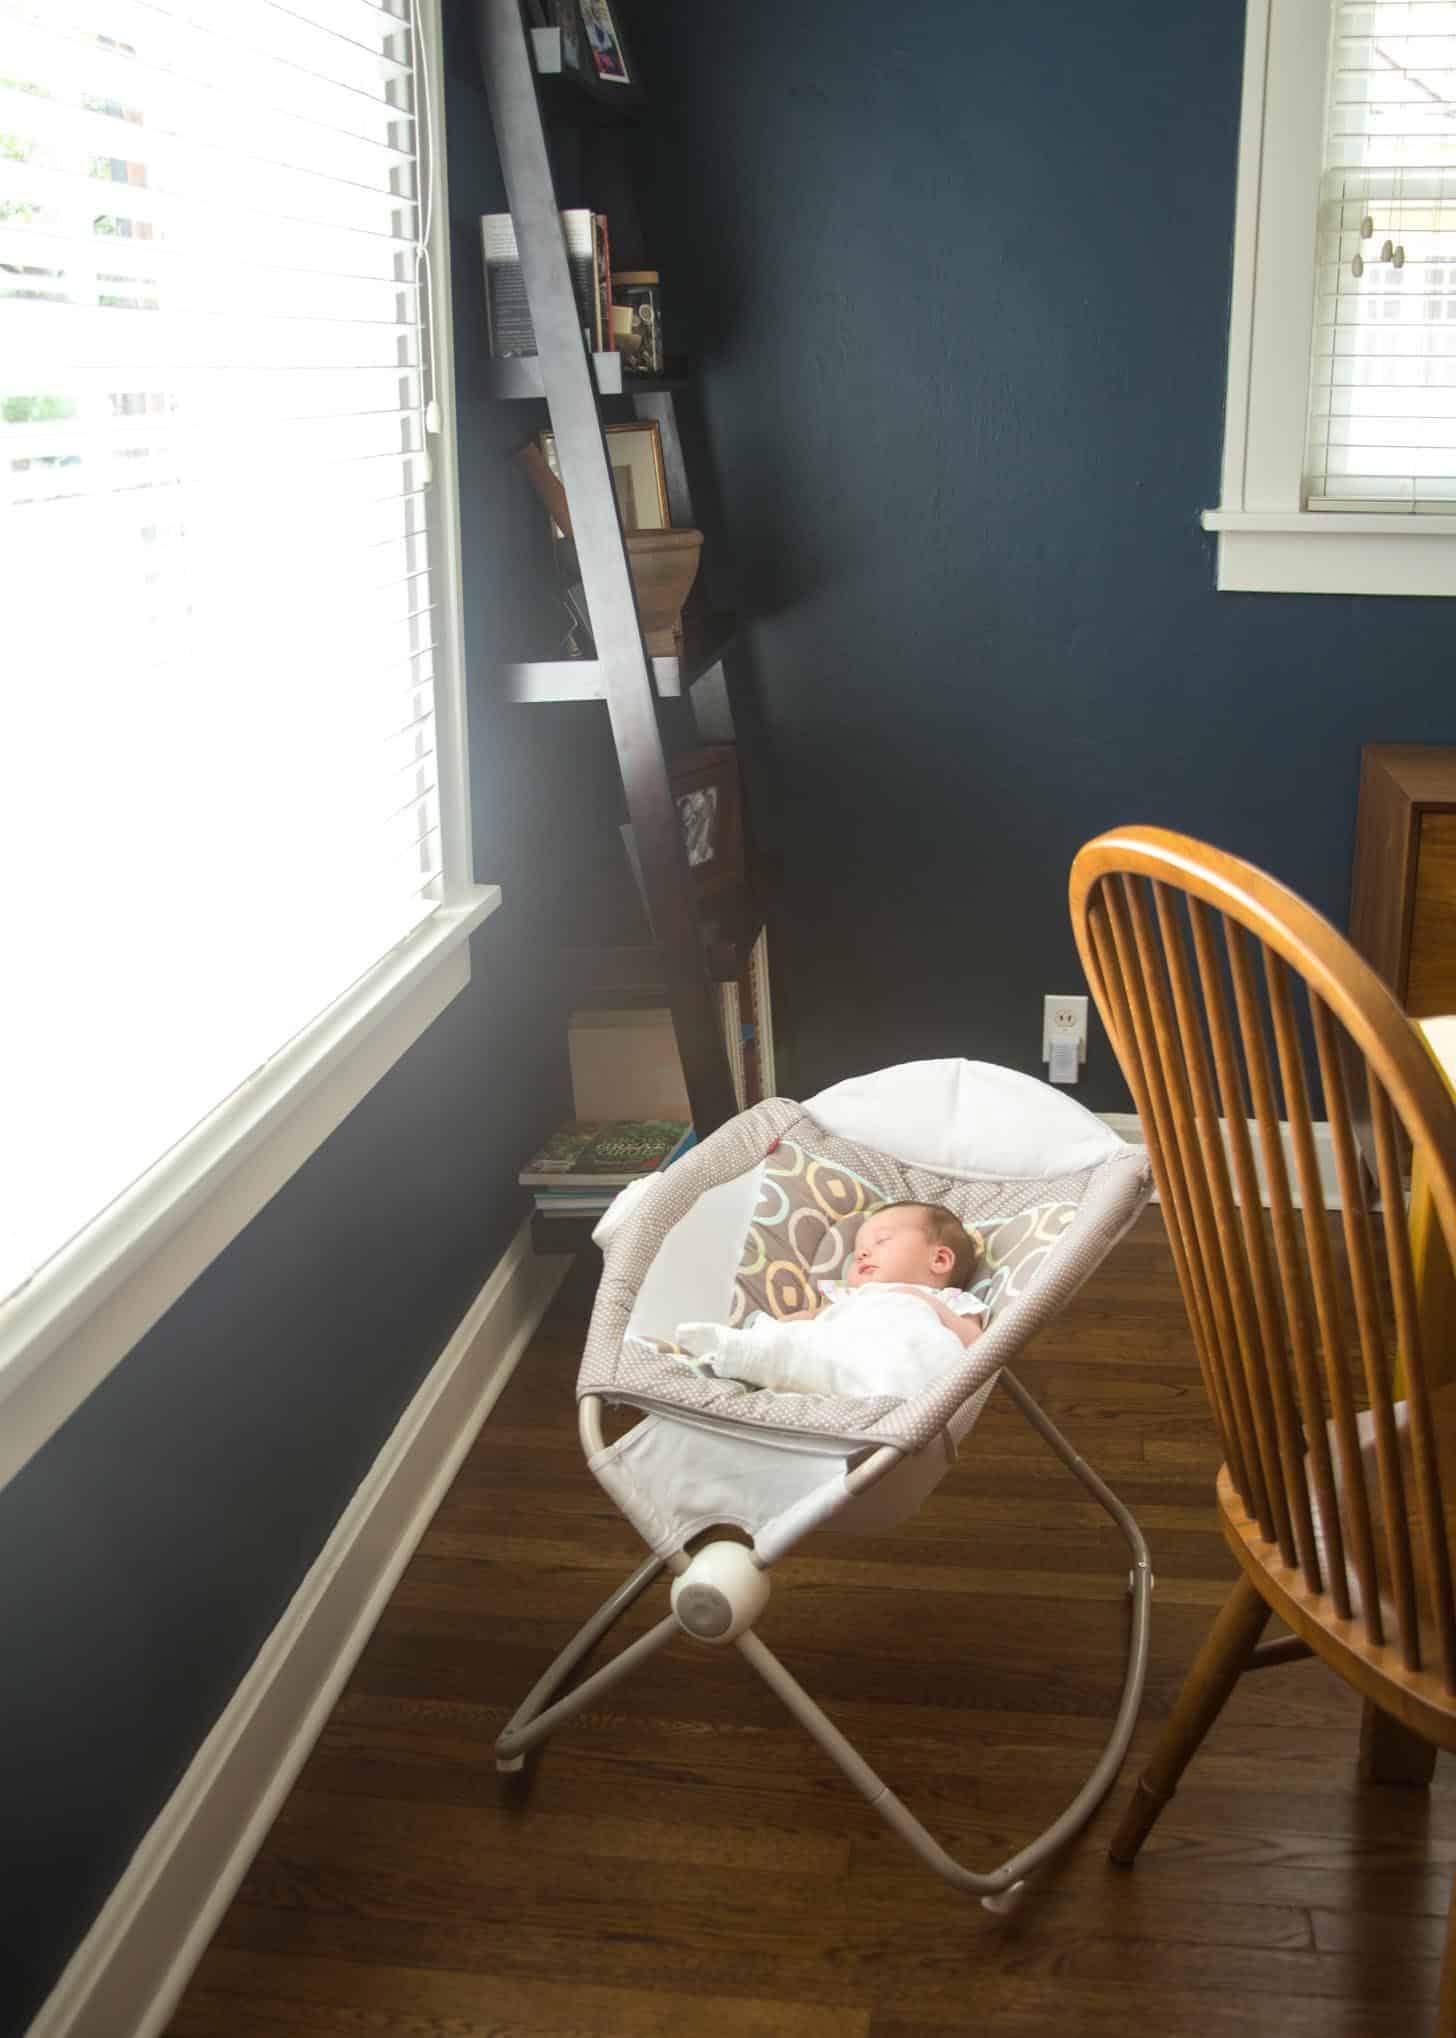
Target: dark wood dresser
1403	890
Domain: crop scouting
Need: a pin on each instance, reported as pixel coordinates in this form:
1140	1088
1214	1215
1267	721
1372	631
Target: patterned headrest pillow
818	1189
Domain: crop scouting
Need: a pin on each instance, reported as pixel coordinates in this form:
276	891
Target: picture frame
600	53
593	55
634	451
705	788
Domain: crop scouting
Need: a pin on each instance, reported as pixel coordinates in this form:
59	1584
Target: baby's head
915	1242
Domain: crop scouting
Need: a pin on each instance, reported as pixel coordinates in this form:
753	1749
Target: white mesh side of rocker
763	1208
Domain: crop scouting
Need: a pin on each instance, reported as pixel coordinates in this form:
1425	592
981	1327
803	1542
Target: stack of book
586	1163
507	310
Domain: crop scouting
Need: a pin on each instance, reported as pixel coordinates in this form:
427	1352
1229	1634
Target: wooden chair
1233	1006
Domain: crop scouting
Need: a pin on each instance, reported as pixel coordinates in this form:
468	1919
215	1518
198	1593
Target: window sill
1333	552
88	1306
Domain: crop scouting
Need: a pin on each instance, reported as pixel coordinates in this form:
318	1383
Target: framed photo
592	48
710	808
604	51
635	453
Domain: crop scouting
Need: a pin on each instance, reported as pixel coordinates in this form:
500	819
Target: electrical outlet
1064	1019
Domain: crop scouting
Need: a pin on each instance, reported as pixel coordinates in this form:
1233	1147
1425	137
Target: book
603	1154
507	308
603	252
572	1199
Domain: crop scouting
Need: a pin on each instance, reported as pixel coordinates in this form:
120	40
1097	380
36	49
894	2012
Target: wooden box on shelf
664	566
625	1064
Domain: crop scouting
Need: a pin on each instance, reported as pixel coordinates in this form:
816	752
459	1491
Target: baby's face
894	1246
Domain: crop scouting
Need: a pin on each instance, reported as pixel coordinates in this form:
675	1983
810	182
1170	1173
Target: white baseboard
126	1977
1128	1126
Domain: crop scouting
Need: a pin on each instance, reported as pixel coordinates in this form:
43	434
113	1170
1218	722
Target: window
1339	468
233	829
1383	385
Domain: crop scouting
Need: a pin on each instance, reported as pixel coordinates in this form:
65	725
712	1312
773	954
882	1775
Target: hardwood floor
690	1864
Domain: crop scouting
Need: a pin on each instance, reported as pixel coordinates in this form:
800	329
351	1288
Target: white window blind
1383	391
217	754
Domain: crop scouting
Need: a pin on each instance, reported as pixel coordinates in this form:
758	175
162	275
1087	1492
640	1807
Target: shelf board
589	99
532	681
670	384
563	1234
629	972
706	638
515	377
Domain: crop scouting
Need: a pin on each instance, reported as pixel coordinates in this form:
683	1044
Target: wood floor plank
257	1996
680	1859
1037	2009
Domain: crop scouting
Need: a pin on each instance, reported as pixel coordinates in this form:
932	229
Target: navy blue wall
147	1551
963	334
959	279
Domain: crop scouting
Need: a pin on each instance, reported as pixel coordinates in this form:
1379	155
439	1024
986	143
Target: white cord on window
424	296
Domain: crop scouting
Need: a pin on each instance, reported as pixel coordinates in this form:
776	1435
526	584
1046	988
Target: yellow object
1434	1277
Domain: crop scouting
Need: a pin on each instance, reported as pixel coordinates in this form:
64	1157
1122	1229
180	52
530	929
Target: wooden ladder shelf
624	668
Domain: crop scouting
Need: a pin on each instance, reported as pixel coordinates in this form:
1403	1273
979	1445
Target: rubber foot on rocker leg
1006	1902
509	1765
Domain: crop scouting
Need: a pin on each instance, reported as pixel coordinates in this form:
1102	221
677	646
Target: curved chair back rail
1237	1013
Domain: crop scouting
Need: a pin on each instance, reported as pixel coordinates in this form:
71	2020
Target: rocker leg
1000	1887
514	1740
521	1736
1216	1670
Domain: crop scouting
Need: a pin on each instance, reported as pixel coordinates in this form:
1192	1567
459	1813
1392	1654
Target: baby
898	1320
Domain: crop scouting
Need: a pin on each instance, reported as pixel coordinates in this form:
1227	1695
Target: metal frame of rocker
731	1593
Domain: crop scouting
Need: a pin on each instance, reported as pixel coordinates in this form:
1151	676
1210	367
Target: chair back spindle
1237	1014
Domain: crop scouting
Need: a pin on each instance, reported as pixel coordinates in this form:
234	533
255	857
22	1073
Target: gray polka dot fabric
1037	1240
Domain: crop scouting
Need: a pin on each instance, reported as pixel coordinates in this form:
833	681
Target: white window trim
1268	542
79	1316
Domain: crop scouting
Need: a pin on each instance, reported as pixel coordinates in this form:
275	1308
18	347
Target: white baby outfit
875	1339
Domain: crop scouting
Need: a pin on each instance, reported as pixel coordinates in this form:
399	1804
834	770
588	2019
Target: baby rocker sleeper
751	1220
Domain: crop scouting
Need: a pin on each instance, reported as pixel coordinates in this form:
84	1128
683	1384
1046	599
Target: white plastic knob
721	1593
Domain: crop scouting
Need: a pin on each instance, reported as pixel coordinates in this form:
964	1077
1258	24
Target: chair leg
1216	1670
1391	1753
1446	2012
